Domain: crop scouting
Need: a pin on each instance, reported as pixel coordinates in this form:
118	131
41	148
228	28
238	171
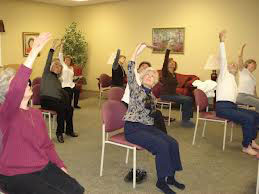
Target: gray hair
5	77
147	71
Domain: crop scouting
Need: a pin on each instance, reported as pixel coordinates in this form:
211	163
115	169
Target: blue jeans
163	146
186	102
248	119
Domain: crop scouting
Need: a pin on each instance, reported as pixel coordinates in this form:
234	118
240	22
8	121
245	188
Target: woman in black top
168	90
118	73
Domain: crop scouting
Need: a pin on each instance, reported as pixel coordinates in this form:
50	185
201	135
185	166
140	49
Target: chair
112	118
115	93
35	81
201	101
46	113
104	85
162	103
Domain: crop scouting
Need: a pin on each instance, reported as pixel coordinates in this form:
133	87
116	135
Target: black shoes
171	181
164	187
140	176
77	107
72	134
60	138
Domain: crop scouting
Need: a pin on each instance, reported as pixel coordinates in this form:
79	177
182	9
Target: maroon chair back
36	94
201	99
37	80
115	93
112	115
105	80
156	90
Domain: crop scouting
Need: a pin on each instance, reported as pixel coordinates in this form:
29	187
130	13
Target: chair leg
169	114
257	183
134	167
224	137
100	98
204	127
49	115
127	156
195	131
231	132
102	159
180	116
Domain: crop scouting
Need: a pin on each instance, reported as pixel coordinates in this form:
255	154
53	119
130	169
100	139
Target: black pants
50	180
64	113
73	92
159	121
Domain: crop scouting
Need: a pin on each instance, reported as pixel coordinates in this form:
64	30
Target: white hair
147	71
5	77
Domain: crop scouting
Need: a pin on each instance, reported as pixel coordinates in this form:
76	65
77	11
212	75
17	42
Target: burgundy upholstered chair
203	114
104	85
115	93
46	113
35	81
112	118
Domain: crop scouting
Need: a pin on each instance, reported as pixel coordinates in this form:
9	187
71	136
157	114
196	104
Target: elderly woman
53	97
247	82
67	77
226	106
28	160
168	90
118	73
139	126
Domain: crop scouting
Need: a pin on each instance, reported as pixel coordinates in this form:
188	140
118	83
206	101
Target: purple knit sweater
25	146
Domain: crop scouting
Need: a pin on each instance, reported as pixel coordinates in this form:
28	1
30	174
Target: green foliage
75	45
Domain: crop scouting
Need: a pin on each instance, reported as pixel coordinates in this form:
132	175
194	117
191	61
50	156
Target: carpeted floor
207	169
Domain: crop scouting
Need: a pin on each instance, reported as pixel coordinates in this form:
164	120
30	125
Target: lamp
2	26
212	64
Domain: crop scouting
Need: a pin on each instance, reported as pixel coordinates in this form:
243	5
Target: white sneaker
249	150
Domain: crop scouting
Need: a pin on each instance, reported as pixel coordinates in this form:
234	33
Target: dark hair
249	61
144	62
31	39
176	66
71	59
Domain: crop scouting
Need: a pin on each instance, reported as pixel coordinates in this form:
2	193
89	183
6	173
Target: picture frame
27	41
161	37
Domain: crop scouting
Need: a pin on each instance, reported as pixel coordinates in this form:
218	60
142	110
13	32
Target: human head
5	79
232	67
172	65
143	65
122	59
68	60
56	66
30	42
250	64
149	77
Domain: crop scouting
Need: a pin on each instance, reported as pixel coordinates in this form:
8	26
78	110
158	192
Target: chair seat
120	138
211	115
50	111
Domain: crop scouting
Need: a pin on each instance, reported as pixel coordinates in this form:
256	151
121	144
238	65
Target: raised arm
61	55
222	53
50	56
240	58
18	84
116	60
165	64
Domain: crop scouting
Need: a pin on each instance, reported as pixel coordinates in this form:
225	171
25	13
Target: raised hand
222	36
56	43
39	43
140	47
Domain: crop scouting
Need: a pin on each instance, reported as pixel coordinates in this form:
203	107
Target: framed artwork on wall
27	41
161	37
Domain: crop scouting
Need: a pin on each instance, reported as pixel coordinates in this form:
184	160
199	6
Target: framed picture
28	40
161	37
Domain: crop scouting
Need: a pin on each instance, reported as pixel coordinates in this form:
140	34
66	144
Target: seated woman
53	97
28	160
159	121
139	126
168	90
247	82
118	73
226	106
67	77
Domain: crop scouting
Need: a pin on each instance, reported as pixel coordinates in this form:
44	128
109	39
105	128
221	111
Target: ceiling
74	2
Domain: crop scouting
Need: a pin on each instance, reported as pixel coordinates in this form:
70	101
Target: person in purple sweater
29	163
